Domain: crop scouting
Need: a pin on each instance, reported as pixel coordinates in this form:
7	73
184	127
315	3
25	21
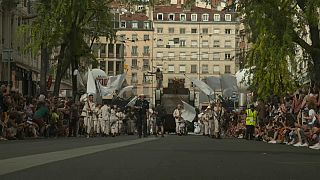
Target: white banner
114	83
91	85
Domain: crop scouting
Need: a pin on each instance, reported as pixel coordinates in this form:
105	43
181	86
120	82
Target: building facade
194	43
136	33
19	68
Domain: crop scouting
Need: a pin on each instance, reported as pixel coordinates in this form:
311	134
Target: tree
277	28
71	26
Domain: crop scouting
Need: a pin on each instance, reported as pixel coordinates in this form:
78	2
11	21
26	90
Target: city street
172	157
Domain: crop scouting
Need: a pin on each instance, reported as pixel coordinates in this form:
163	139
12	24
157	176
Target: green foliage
277	27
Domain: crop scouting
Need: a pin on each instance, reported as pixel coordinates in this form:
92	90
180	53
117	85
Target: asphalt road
172	157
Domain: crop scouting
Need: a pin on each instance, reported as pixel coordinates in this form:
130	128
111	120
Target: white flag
189	112
203	87
125	89
91	86
133	101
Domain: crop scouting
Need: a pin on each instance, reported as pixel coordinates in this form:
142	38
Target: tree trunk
44	69
59	73
315	69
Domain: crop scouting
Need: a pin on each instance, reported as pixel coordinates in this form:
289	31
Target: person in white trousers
177	116
105	120
89	108
97	119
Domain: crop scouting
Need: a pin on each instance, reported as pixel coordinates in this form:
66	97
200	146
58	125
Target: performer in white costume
105	120
97	119
88	109
177	116
120	116
113	121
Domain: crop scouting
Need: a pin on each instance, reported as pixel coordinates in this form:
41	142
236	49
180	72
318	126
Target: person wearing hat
251	119
89	108
142	106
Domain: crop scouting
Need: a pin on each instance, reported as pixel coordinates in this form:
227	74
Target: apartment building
130	53
17	67
194	43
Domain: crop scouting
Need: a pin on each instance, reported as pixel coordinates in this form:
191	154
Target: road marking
19	163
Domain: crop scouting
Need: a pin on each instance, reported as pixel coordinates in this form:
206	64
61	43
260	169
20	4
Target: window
182	30
159	30
134	51
227	17
134	37
193	68
216	43
171	43
103	49
146	64
205	69
160	16
160	67
182	17
216	56
216	69
171	30
194	43
134	25
216	17
171	55
193	30
171	17
170	68
122	37
228	31
123	24
194	55
146	37
227	56
182	68
146	25
182	55
159	43
227	44
205	17
102	65
146	50
134	78
205	31
193	17
134	63
159	54
227	69
205	55
146	89
205	43
182	43
216	31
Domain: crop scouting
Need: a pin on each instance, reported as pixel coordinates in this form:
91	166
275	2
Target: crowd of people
41	116
293	120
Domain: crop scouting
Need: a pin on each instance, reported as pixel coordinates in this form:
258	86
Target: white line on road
19	163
